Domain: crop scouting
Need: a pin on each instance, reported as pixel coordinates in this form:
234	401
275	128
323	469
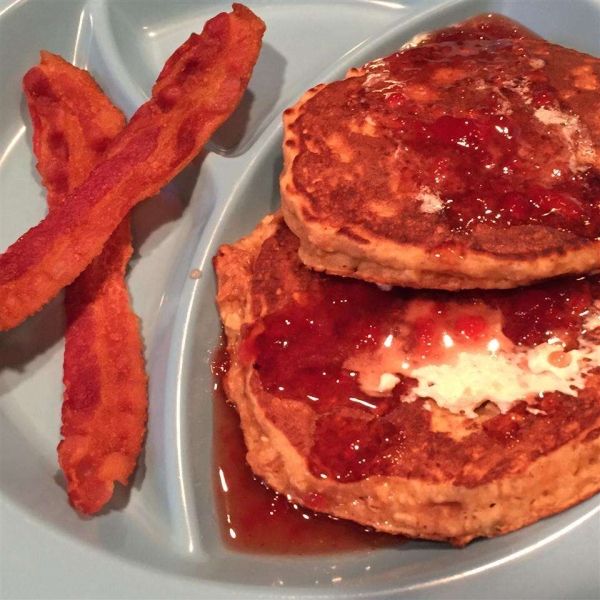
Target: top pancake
468	160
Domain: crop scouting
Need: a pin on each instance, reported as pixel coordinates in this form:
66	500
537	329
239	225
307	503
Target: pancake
467	160
334	417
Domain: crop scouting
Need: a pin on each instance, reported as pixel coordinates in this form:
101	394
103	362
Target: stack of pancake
415	336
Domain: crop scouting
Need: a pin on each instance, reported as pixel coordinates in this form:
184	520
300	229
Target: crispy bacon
105	401
199	87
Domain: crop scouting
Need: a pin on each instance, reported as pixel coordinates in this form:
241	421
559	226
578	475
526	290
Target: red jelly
471	326
300	350
300	353
462	109
484	27
536	314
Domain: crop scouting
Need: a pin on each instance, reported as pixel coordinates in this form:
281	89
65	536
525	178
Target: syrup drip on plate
255	519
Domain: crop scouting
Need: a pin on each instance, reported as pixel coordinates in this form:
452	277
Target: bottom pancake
302	348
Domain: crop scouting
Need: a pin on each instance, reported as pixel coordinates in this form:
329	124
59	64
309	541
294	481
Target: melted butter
592	322
575	134
503	379
430	202
460	373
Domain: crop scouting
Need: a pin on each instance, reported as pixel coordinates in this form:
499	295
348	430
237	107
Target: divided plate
161	538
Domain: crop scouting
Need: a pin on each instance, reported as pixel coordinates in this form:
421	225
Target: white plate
161	538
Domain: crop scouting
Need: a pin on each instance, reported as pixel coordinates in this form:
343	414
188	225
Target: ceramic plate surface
161	539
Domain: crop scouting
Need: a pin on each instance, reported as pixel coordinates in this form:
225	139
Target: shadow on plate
233	137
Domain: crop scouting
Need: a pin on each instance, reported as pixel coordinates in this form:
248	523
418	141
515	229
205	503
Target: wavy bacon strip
198	88
105	401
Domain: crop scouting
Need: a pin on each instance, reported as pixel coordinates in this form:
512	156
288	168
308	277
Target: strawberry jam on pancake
468	160
429	414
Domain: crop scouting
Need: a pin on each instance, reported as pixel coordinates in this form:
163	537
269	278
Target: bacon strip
105	401
198	88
